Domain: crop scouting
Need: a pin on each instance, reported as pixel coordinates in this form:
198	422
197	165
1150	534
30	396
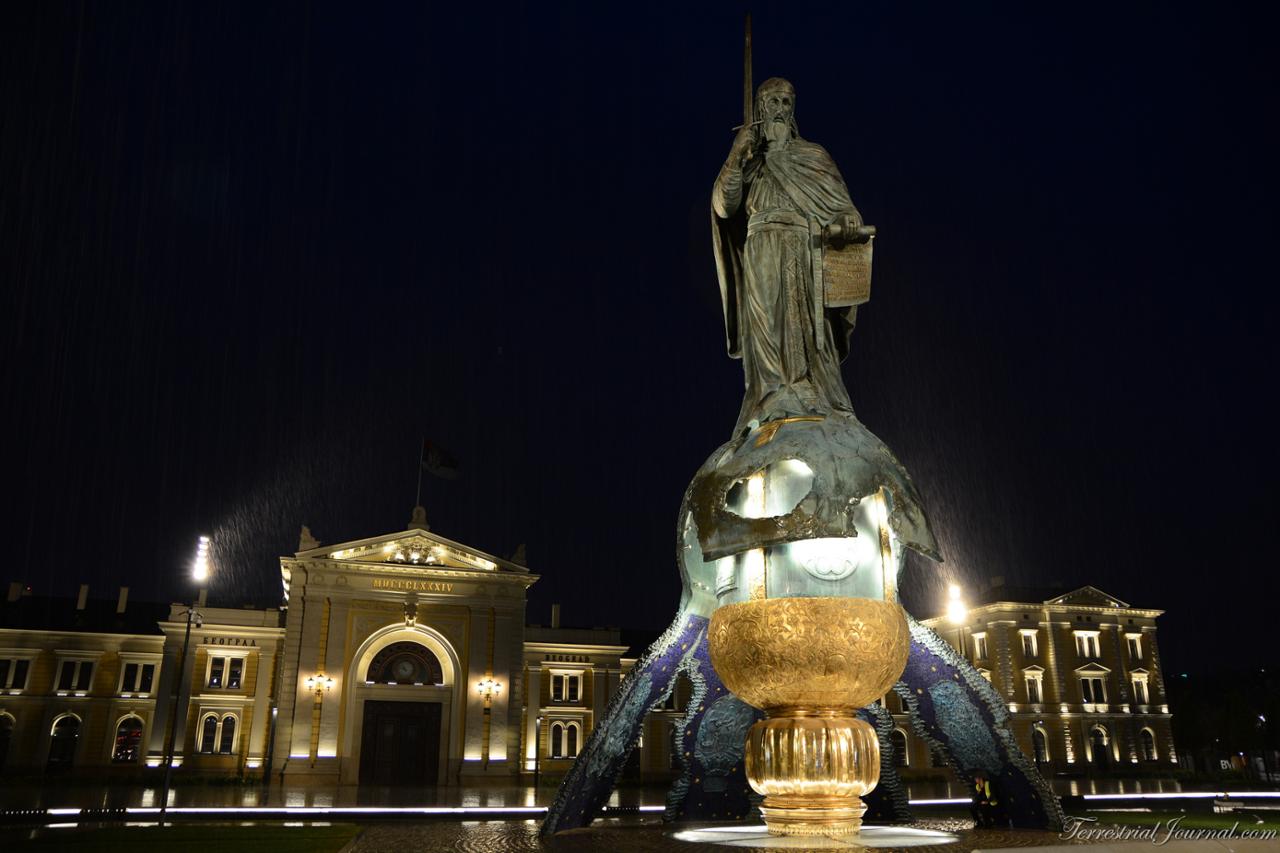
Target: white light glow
200	571
957	612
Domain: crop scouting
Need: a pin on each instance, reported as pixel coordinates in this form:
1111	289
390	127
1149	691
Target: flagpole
417	500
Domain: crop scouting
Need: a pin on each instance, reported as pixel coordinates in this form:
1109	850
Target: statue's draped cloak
775	321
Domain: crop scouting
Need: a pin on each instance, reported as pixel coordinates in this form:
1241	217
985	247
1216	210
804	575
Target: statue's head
776	108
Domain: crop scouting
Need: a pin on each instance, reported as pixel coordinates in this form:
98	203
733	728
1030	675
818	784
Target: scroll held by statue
845	272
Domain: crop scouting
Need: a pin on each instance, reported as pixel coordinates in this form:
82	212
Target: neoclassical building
405	659
1081	673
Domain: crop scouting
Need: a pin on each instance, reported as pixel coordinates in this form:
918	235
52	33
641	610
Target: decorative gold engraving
809	652
766	432
810	663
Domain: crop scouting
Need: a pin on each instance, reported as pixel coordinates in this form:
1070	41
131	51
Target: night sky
251	254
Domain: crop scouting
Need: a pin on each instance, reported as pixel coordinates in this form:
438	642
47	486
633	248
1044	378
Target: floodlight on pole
957	612
201	569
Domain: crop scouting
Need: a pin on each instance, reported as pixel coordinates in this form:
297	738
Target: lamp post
200	574
957	614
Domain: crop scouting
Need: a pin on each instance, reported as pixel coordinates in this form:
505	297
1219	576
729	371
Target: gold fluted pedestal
810	663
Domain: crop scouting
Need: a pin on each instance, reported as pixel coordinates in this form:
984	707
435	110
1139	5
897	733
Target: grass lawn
205	837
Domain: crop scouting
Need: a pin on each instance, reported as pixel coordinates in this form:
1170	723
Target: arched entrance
401	706
6	736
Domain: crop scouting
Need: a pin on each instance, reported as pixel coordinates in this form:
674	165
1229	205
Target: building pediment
1092	669
1088	596
413	547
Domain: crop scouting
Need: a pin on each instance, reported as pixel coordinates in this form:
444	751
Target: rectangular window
235	670
67	675
217	666
137	677
1092	691
1140	691
566	687
1033	690
1135	647
1087	644
979	646
1029	645
75	675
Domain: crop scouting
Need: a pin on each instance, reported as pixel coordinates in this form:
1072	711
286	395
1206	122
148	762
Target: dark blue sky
252	253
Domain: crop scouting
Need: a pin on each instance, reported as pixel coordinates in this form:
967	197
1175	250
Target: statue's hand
743	145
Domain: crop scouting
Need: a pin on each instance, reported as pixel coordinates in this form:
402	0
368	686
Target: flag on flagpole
439	462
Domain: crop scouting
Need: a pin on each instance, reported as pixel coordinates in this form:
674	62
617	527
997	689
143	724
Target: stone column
298	744
262	704
503	666
474	671
164	699
533	706
287	694
335	653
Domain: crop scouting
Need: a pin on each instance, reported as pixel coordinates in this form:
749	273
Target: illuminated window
225	672
1087	644
1135	646
128	741
979	646
1030	644
1140	695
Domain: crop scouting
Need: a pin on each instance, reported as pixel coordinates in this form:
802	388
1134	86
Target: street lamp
957	614
200	574
319	684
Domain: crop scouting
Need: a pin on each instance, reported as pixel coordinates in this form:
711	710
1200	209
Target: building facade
404	659
1082	676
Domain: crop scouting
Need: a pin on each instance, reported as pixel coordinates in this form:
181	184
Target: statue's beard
777	130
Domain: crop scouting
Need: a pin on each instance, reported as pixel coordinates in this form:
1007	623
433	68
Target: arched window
405	663
1148	745
62	748
208	733
557	740
901	758
1040	744
128	741
571	749
228	738
6	737
1098	741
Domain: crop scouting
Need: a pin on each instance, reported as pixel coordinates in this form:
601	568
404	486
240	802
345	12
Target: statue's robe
790	344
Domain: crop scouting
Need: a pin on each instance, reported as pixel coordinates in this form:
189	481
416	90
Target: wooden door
400	743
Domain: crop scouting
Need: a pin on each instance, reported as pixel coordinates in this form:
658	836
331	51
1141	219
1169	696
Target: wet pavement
62	794
625	835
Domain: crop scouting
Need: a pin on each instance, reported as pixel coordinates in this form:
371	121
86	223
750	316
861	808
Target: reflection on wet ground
632	834
63	794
